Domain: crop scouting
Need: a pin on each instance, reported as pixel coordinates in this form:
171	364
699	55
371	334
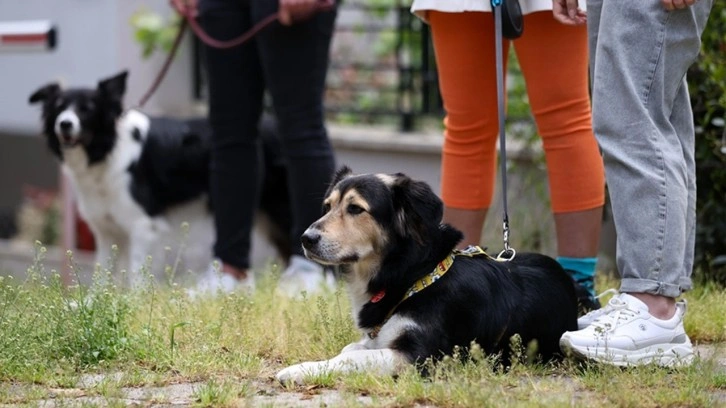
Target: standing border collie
413	296
138	178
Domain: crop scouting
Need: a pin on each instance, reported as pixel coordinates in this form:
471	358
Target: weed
101	338
214	394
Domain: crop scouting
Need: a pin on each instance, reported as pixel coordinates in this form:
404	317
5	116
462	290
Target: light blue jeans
642	118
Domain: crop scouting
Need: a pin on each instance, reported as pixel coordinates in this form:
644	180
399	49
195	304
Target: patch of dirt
265	392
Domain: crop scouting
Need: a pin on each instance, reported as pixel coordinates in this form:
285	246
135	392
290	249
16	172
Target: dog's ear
342	173
45	93
339	175
114	87
418	210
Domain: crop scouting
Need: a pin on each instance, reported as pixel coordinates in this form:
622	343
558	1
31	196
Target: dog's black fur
479	299
173	166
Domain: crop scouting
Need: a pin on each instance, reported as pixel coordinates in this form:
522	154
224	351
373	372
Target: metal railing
390	75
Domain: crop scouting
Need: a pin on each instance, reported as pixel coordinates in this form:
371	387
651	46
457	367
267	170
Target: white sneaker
304	275
627	334
214	281
587	319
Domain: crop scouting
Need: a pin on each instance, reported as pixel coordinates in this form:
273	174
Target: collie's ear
114	87
418	209
45	93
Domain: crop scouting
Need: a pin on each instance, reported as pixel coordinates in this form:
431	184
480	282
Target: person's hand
292	11
677	4
567	12
185	7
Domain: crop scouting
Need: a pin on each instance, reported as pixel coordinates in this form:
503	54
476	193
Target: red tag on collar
378	296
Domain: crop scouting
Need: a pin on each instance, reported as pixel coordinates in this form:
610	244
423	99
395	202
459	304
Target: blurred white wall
95	40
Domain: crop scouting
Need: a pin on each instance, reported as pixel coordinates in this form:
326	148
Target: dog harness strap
472	251
421	284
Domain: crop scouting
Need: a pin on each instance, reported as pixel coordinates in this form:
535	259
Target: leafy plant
707	82
153	32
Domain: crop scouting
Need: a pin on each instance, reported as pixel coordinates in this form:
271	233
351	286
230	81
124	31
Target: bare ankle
661	307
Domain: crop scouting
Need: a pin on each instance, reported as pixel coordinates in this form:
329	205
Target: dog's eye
355	209
326	208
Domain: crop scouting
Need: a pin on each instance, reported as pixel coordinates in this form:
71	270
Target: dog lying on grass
413	295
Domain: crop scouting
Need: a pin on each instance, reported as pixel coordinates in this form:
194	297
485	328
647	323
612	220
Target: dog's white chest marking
358	293
103	188
391	330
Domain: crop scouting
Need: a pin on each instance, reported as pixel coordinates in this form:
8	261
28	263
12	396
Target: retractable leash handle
512	20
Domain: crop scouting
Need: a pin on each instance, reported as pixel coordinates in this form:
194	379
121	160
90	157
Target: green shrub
707	82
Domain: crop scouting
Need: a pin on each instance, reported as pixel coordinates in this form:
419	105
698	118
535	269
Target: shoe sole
664	355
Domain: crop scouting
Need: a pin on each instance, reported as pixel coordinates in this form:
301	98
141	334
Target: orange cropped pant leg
553	59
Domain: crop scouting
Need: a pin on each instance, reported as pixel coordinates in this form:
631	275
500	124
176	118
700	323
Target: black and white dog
138	178
413	296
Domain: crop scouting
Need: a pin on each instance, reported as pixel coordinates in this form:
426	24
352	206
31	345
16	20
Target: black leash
514	30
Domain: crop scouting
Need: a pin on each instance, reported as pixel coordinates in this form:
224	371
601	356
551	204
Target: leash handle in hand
189	20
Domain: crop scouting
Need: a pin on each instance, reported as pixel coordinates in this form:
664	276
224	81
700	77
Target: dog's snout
310	238
66	125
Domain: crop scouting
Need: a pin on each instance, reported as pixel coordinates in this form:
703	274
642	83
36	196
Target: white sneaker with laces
304	275
587	319
627	335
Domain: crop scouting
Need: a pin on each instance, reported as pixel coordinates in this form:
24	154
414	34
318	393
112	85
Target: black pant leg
236	87
295	63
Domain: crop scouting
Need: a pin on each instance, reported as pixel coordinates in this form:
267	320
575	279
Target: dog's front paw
297	373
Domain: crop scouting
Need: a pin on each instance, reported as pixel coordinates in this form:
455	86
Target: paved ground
266	392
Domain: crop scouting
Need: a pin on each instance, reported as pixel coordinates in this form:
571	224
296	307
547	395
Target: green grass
229	347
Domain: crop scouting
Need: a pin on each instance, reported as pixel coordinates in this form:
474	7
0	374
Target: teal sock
582	270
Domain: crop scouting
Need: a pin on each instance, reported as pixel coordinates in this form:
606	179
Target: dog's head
76	116
366	214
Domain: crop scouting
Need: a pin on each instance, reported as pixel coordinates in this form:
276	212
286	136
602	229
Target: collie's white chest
102	189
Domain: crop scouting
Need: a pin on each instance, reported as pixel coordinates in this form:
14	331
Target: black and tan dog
412	295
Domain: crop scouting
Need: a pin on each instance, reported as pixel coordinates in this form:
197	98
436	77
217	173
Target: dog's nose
66	125
310	238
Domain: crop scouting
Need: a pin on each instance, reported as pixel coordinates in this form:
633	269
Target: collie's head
367	215
82	116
